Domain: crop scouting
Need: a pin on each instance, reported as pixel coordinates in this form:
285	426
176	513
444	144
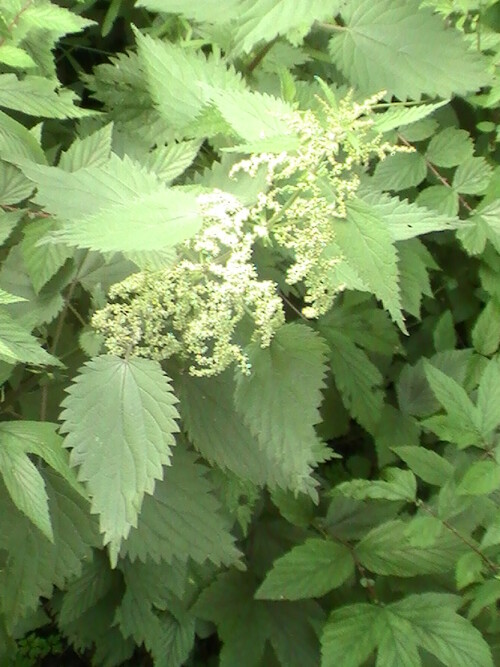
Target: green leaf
25	486
120	419
57	21
180	80
349	636
182	519
426	464
387	550
469	569
486	331
358	380
394	426
484	595
488	397
481	478
243	623
33	309
400	485
382	48
94	582
455	401
405	220
169	162
42	261
414	394
113	218
444	335
399	116
484	225
17	141
152	615
218	432
414	263
15	57
293	632
422	129
14	186
450	147
93	150
423	531
396	646
37	96
41	439
472	176
254	116
34	565
309	570
265	20
399	172
17	344
287	374
367	246
441	631
439	198
8	222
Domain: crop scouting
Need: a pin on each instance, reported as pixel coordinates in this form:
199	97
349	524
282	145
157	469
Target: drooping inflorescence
197	307
194	307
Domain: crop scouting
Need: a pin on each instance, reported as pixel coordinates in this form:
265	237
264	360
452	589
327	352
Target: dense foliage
249	333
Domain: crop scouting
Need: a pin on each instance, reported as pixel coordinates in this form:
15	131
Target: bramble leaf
308	570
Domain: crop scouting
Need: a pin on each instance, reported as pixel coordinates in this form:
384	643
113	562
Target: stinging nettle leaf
119	419
183	519
359	381
382	47
367	246
180	81
37	96
130	210
287	374
399	116
406	220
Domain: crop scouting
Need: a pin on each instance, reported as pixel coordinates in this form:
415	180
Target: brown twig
489	563
261	55
16	19
439	176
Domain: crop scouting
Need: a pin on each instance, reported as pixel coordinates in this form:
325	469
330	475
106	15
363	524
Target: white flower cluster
203	307
310	187
193	308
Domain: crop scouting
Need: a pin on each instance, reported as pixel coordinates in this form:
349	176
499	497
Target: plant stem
436	173
489	563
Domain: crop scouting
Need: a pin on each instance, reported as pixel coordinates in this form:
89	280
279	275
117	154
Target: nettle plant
249	332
